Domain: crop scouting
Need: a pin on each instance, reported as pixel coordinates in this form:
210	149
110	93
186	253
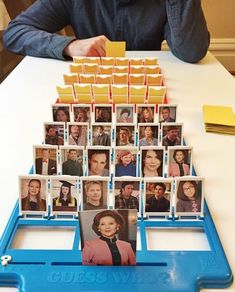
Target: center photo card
125	135
94	193
72	160
146	113
148	134
54	133
152	161
172	134
78	134
126	193
125	113
167	113
98	161
179	161
61	112
45	159
103	113
158	196
108	237
126	161
64	195
101	134
82	113
189	196
33	195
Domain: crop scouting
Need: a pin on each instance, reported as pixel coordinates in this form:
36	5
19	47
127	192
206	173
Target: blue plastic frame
61	270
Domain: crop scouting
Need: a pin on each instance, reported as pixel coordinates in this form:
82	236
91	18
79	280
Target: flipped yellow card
115	49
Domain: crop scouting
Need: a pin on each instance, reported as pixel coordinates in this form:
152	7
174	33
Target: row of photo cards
147	134
67	195
121	113
124	161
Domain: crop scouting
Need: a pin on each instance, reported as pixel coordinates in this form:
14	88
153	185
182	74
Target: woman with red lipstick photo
108	249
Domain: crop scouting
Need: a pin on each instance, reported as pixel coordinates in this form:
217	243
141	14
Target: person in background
108	250
181	23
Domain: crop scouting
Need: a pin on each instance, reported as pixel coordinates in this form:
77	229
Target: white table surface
28	92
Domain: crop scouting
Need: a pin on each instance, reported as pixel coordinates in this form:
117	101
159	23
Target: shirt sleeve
185	30
33	32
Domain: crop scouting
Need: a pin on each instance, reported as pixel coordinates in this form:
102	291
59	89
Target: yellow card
219	115
115	49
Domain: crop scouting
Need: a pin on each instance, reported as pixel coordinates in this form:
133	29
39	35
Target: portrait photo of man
78	134
167	114
99	162
125	135
45	160
72	164
172	135
101	135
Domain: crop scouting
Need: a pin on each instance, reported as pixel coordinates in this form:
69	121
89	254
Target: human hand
91	47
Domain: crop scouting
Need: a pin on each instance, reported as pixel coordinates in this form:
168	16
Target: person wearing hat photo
126	164
65	201
125	199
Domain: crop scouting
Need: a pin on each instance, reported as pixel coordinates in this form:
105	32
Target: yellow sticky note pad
219	115
115	49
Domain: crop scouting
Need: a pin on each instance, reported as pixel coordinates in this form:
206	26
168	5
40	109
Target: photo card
98	241
103	113
158	196
125	113
99	161
72	160
54	133
152	161
78	134
82	113
94	193
167	113
179	161
61	112
189	196
172	134
125	161
126	193
101	134
125	135
64	195
45	159
146	113
33	195
148	134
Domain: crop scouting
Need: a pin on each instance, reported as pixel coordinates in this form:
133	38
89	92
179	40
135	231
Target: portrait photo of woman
189	196
108	242
64	194
124	114
103	114
179	162
126	162
145	114
81	113
148	135
61	113
94	194
152	162
33	194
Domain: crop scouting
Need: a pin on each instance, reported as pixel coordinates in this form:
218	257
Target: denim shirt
143	24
